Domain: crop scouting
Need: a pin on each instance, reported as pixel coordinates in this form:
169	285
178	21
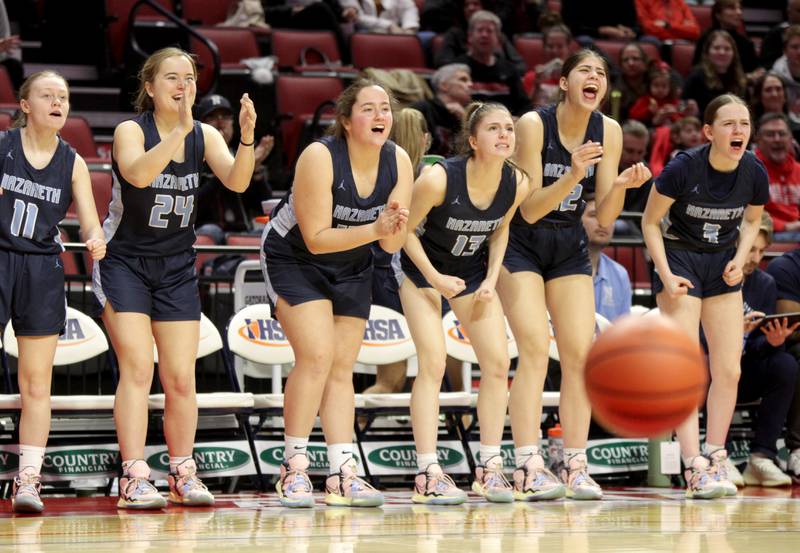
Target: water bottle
555	449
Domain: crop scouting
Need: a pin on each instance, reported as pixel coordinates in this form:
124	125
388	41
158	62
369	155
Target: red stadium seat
79	135
613	48
682	55
5	121
101	190
632	258
68	259
703	16
8	98
388	52
206	12
531	48
304	51
234	45
118	13
297	99
202	258
244	240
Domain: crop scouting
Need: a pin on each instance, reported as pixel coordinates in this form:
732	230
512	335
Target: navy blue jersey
557	162
157	220
709	205
349	209
34	200
455	231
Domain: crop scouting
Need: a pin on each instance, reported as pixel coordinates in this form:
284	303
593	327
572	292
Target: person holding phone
769	372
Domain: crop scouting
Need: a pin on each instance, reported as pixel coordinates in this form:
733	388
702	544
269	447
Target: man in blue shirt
612	285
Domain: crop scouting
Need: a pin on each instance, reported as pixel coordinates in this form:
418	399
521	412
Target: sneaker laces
28	484
137	484
442	482
699	475
299	479
494	475
189	480
354	482
580	475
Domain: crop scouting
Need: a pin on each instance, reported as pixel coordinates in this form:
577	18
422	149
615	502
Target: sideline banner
67	462
213	459
270	457
384	458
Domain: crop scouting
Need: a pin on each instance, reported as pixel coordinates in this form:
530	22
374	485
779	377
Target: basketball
644	376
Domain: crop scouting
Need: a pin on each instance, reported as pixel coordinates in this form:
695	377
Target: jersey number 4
182	206
26	212
711	232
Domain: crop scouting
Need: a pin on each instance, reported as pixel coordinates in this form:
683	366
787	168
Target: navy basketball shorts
32	293
385	290
471	270
347	284
703	269
164	288
786	272
550	250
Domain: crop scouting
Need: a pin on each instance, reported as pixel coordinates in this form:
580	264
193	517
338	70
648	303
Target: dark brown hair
572	62
347	99
722	100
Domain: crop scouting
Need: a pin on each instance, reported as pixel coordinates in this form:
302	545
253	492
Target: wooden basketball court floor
626	520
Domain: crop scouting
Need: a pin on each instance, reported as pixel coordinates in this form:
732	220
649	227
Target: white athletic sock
523	453
135	468
31	458
425	460
175	461
570	452
708	448
487	452
294	446
338	455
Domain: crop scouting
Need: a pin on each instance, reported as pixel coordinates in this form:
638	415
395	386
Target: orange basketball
644	376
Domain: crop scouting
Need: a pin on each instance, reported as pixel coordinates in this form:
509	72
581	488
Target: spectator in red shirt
667	19
774	149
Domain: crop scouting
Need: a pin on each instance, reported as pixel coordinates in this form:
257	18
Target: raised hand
634	176
393	219
247	119
584	156
185	118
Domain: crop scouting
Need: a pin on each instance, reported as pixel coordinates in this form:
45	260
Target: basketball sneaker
136	491
701	480
762	471
346	489
722	474
580	485
491	484
25	493
434	487
793	466
185	488
294	486
533	482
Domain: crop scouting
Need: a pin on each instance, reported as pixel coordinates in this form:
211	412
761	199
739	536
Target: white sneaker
793	466
720	462
762	471
733	474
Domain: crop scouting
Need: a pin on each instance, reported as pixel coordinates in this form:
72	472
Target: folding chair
82	424
214	407
465	402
